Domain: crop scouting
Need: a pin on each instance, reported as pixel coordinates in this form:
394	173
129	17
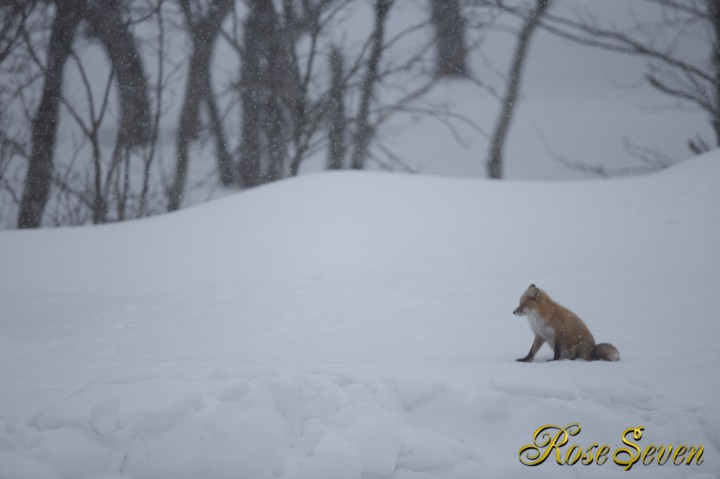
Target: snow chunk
540	388
232	390
378	440
637	396
238	442
104	416
412	392
312	437
427	453
76	453
334	457
162	419
18	466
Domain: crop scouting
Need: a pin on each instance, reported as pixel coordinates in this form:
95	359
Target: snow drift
358	325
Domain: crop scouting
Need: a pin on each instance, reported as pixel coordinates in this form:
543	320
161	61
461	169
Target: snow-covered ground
347	325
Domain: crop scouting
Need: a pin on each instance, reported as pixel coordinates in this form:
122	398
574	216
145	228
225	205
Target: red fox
561	328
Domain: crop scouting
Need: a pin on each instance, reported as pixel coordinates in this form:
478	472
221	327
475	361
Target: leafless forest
109	106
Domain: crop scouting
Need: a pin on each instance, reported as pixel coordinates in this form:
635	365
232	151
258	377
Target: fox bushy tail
606	352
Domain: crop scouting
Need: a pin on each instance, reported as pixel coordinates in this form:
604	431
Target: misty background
120	109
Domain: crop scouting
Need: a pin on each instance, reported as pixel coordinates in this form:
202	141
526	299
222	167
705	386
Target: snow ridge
347	326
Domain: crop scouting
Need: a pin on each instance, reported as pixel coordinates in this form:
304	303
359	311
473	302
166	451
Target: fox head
527	300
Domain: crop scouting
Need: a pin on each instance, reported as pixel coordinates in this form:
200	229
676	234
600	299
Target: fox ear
534	291
532	286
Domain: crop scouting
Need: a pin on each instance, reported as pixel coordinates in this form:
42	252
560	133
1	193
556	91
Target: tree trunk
44	127
259	27
336	135
189	119
224	160
364	128
279	80
714	14
497	141
275	135
451	51
99	206
204	33
105	18
250	142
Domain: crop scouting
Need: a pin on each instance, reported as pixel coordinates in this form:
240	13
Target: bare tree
308	109
96	200
287	96
661	44
281	111
497	140
21	88
204	30
451	52
106	22
44	128
225	164
300	91
12	25
336	117
364	131
259	26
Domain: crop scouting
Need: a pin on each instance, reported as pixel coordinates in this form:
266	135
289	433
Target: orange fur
562	329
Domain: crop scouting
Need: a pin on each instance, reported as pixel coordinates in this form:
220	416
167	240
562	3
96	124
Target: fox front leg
557	351
533	350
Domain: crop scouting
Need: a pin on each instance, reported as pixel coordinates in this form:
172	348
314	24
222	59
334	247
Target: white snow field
359	325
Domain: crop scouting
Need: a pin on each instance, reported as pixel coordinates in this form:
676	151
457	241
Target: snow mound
352	325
